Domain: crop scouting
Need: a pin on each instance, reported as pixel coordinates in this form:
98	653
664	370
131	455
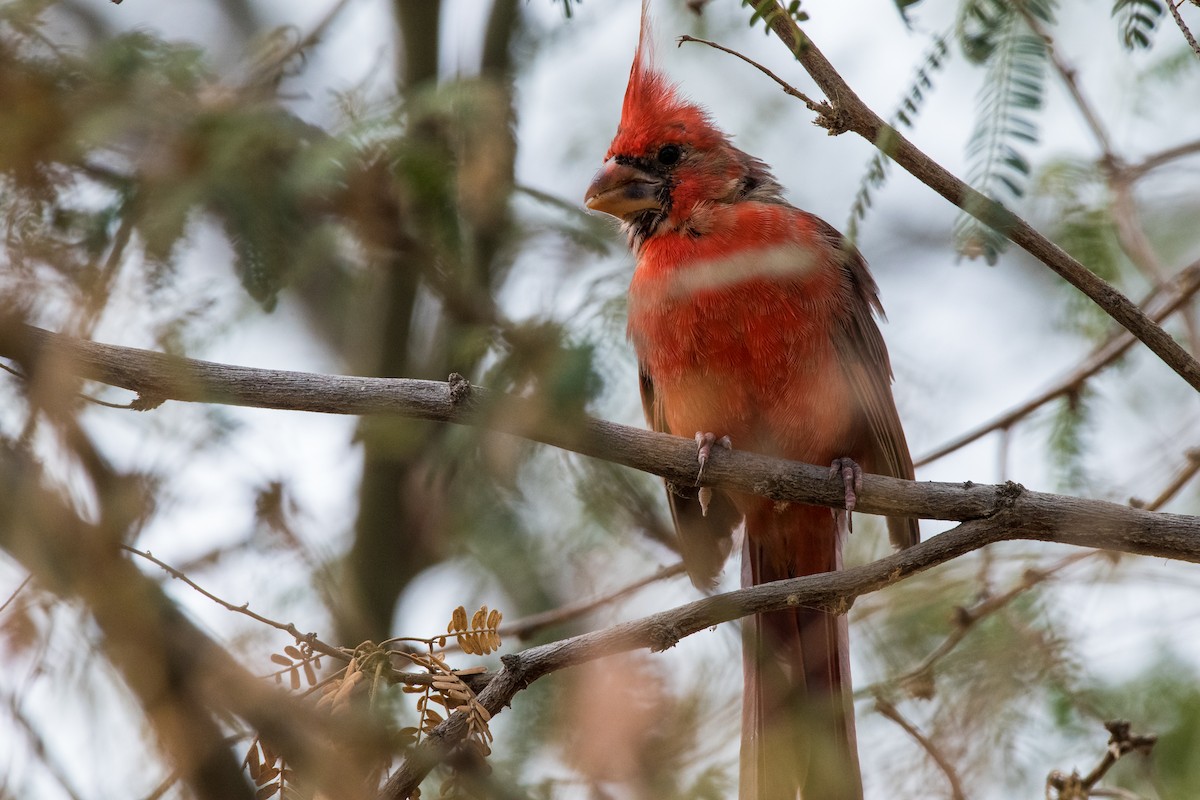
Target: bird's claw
704	446
851	474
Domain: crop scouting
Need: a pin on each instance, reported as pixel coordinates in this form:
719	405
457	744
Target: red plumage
754	320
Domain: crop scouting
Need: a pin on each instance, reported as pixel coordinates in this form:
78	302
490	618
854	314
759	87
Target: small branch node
963	618
146	402
1008	492
514	665
460	389
664	637
833	118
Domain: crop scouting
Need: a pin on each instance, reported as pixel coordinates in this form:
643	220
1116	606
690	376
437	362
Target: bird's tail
797	717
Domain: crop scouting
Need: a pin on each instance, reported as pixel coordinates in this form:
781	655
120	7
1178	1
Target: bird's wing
865	359
704	540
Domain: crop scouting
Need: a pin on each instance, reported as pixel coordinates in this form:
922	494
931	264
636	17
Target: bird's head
668	162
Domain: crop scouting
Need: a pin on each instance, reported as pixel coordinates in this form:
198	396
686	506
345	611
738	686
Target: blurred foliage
1138	20
877	168
996	34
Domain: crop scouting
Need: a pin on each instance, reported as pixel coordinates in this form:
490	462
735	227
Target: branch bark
158	377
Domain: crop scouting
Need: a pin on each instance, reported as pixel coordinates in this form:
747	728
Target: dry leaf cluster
271	775
293	660
371	668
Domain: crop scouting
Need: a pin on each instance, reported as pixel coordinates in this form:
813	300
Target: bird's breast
738	341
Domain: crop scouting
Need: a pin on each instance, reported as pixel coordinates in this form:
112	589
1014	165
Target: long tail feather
798	736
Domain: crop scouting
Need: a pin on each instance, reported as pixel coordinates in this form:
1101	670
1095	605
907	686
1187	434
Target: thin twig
1181	478
16	592
1187	34
524	628
267	71
1086	110
918	681
287	627
1121	742
1163	158
813	105
1131	236
887	709
41	751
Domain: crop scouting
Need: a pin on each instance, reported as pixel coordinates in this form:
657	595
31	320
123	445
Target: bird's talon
705	497
704	446
851	474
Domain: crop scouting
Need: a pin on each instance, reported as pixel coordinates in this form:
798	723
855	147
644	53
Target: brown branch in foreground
885	708
850	113
834	591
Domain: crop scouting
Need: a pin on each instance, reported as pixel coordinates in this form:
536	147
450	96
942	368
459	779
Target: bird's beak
622	190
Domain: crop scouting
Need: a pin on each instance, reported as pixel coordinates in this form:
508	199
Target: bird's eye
669	154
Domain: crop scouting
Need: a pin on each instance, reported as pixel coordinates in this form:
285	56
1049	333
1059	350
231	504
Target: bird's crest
654	112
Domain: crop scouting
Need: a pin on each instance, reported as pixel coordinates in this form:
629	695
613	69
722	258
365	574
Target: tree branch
1031	515
1183	28
885	707
849	113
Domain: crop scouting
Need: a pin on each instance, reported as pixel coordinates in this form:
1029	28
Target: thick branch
1030	515
850	113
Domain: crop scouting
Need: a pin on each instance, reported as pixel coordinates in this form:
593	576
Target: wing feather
704	540
864	357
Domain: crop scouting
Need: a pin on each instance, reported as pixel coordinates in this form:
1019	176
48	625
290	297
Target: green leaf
1138	20
995	34
875	175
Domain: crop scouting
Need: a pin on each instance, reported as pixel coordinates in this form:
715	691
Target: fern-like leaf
995	33
903	6
876	173
1138	20
1068	440
766	10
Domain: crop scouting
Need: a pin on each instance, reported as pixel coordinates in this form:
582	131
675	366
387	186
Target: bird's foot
704	446
851	474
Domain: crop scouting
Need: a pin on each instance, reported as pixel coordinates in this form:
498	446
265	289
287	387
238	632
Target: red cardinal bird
753	320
